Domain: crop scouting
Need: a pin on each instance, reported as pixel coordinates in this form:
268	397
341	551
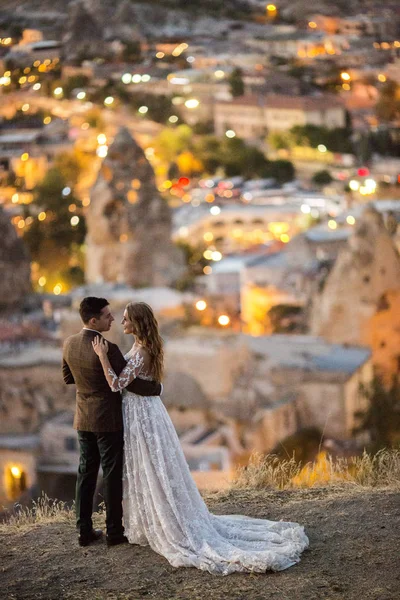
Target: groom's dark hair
91	307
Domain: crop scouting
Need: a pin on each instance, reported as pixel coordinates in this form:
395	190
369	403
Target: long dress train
164	509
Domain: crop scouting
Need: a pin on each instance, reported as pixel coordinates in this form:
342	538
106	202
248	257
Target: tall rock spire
14	265
129	223
367	268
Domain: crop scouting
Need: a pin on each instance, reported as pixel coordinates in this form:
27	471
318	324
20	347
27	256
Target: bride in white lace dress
162	505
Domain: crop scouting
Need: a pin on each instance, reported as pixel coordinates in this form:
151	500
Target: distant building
254	116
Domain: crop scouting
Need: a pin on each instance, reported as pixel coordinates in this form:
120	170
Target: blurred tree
236	83
322	177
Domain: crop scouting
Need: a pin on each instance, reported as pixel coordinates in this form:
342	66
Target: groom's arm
137	386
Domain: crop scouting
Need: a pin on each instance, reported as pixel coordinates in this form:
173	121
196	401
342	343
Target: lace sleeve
131	370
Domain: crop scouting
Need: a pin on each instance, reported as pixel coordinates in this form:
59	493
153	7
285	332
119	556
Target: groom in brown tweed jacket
98	419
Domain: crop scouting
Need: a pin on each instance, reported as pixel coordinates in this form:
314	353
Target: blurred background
237	166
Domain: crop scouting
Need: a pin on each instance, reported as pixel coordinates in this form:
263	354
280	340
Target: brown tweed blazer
98	409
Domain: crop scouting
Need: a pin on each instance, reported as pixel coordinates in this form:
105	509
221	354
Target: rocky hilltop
353	554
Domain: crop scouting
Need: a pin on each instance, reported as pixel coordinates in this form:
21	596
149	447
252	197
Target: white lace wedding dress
164	509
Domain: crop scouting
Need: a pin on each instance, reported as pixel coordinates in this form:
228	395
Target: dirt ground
354	554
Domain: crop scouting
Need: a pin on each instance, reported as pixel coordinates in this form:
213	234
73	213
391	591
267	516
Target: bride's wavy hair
147	333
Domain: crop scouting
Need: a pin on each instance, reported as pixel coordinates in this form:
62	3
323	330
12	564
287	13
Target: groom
98	419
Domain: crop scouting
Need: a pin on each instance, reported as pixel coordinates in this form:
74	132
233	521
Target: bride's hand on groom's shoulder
100	346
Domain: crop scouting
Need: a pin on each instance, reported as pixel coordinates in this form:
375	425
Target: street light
201	305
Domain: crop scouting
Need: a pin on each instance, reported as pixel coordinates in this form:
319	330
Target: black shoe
87	538
117	540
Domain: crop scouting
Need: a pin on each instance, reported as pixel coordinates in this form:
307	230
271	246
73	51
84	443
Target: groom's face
103	323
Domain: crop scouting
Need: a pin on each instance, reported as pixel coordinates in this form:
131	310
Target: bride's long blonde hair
146	331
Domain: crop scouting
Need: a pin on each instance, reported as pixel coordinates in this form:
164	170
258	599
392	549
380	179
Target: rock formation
129	224
84	37
124	24
367	268
14	265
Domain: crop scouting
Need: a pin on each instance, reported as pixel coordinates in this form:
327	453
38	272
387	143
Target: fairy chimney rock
129	223
364	270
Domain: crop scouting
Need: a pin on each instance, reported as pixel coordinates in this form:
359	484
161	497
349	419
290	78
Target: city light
81	95
108	101
136	78
215	210
58	92
224	320
57	289
305	209
219	74
102	151
201	305
216	256
146	78
101	139
192	103
36	86
42	216
332	224
350	220
208	236
208	254
143	110
42	281
322	148
25	157
47	120
16	472
160	55
173	119
66	191
207	270
345	76
230	133
354	185
381	77
126	78
271	8
312	24
74	221
25	107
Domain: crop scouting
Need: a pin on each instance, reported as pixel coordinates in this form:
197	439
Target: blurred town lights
126	78
42	281
143	110
81	95
345	76
322	148
25	157
101	139
16	472
215	210
230	133
350	220
305	209
224	320
173	119
146	78
207	270
201	305
136	78
108	101
74	221
381	77
192	103
102	151
58	92
332	224
57	289
219	74
36	86
312	24
216	256
354	185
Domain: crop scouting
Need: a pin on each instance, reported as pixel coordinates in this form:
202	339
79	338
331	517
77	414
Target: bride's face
129	328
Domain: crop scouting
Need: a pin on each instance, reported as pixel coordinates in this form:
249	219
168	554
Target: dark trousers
107	449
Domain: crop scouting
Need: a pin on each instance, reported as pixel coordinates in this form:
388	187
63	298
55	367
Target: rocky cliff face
367	268
14	265
129	224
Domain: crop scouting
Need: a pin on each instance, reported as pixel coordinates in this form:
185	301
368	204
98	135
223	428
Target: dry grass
43	510
379	470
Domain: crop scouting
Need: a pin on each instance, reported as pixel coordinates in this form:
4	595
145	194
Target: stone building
14	265
129	223
367	268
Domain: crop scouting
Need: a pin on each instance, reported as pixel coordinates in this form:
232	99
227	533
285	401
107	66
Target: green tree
236	82
381	418
322	177
172	141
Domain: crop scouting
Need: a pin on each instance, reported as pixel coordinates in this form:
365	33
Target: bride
162	505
